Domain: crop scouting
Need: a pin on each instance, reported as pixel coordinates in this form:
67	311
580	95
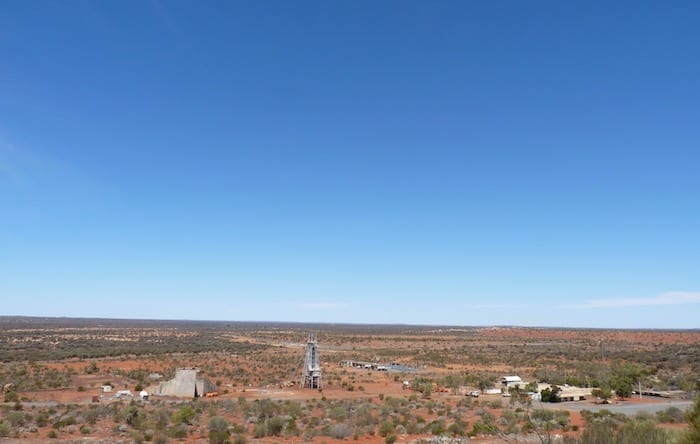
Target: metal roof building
511	381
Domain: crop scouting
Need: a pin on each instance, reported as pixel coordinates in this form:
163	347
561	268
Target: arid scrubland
53	372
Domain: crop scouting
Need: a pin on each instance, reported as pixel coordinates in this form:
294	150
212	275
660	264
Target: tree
622	386
603	393
628	370
423	386
550	394
484	381
531	387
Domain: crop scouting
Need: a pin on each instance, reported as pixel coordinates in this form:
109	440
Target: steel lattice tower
311	373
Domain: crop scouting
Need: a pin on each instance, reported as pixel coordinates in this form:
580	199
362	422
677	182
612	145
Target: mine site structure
311	372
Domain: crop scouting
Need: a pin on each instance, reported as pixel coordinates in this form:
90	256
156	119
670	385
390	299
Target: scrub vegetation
54	370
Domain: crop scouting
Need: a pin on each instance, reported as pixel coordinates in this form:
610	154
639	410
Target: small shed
511	381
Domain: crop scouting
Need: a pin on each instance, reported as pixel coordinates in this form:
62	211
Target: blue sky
462	163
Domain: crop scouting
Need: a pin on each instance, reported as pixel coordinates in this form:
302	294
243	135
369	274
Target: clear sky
463	163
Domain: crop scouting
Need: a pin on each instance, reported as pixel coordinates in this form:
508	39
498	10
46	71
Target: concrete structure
511	381
311	373
187	383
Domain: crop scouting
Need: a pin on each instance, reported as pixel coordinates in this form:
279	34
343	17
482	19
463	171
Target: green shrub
481	428
15	418
386	428
260	430
458	428
178	431
185	415
11	396
218	430
437	427
275	425
340	431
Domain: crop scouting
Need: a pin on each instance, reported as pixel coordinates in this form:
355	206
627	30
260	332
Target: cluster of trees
550	394
621	380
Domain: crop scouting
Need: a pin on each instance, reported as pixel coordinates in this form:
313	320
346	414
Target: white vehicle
124	394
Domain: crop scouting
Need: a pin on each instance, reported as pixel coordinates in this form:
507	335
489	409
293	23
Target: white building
511	381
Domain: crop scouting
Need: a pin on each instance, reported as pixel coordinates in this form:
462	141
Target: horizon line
350	324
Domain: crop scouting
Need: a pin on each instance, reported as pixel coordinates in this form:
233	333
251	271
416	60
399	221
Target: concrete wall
186	384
